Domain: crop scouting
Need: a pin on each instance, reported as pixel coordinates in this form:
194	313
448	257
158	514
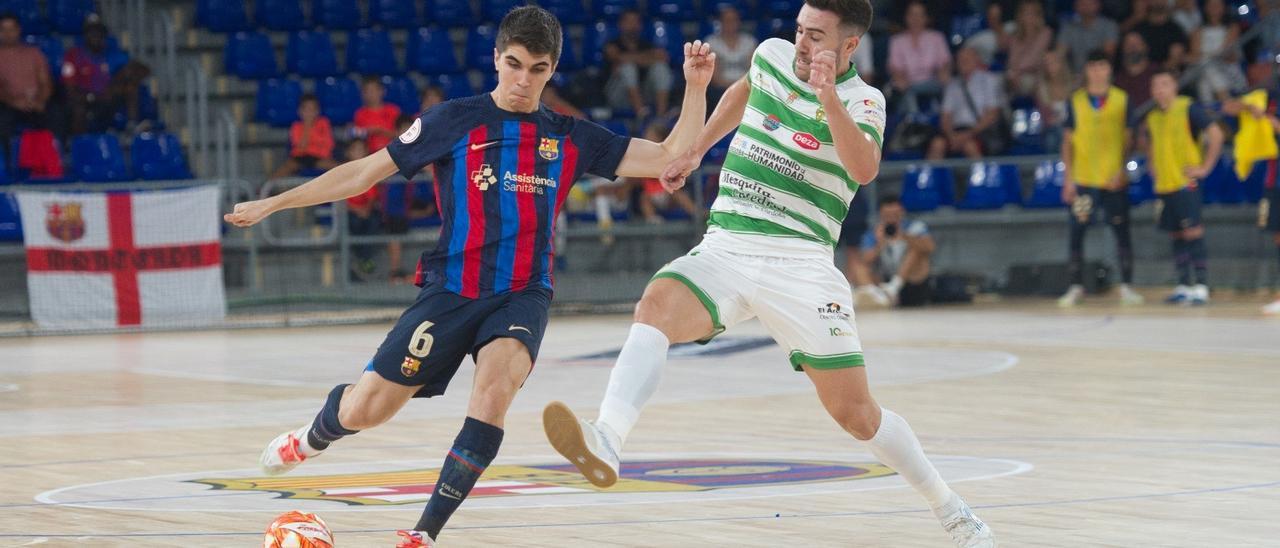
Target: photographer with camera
898	250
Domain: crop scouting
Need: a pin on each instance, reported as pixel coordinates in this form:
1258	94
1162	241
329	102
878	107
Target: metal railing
196	105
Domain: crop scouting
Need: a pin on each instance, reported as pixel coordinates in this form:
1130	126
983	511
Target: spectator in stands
733	49
652	196
852	231
431	96
86	74
970	107
1026	47
396	221
363	219
919	59
1215	53
310	141
375	122
1167	43
1268	25
1138	12
987	42
898	250
1053	89
1186	13
1089	32
25	84
558	103
638	70
1136	70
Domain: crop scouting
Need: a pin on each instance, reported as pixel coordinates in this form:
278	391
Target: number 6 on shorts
420	343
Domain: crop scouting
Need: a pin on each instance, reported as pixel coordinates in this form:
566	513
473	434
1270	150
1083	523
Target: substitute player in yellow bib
1178	164
1094	146
808	135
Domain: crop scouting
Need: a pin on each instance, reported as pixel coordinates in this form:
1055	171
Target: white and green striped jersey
783	190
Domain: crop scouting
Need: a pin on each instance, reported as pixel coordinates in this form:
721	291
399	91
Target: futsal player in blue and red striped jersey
502	164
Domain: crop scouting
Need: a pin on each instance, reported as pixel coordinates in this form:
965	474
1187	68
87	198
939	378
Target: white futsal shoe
582	443
1129	297
966	529
1072	297
285	452
1272	309
872	294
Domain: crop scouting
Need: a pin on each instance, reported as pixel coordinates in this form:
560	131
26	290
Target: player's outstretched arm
858	151
646	158
344	181
726	117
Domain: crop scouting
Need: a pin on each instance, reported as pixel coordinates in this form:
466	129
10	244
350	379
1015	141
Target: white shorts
805	304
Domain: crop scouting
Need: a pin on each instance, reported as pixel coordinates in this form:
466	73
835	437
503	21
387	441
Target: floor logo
416	486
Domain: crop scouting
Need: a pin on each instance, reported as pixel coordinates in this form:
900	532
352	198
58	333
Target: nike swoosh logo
484	145
519	328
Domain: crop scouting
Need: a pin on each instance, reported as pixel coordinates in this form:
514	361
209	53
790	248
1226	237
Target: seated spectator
970	107
733	49
431	96
1053	90
1216	55
1026	47
1186	13
1166	42
363	218
25	84
987	42
1090	31
919	59
1136	70
396	222
653	196
375	122
898	250
94	94
310	141
638	70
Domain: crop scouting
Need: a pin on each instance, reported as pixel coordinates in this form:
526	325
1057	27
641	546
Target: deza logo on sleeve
806	141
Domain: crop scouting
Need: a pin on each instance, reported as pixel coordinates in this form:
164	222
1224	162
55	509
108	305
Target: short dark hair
309	97
1165	72
371	80
532	27
854	14
10	16
889	199
1097	56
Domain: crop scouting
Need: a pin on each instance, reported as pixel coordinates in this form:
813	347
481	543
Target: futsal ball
298	530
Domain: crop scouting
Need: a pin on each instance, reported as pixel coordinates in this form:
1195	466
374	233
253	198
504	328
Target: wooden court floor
1097	426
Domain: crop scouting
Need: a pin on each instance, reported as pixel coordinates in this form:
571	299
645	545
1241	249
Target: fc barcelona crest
410	366
549	149
64	221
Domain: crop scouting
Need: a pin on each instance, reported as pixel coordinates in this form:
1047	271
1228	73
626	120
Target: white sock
896	446
634	379
303	445
895	285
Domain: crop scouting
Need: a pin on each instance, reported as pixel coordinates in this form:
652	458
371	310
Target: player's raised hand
699	63
247	214
674	174
822	73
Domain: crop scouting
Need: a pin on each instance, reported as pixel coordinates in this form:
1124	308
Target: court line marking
8	387
997	506
47	498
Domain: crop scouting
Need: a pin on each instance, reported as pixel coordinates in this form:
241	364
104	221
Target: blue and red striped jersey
501	178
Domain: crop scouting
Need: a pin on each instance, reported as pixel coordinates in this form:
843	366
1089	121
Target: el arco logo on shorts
805	141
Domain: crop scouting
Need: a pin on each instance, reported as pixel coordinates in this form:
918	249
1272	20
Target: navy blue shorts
1179	210
1272	211
1092	204
441	328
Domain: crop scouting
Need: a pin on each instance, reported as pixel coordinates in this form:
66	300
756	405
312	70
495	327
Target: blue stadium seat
569	60
67	16
278	101
370	52
403	93
569	12
711	9
673	10
431	52
767	28
159	157
1221	185
1027	132
966	25
222	16
147	110
489	82
337	14
339	98
10	222
28	14
593	41
610	10
1046	192
395	14
454	85
310	53
925	188
495	10
670	37
51	47
1141	184
1255	183
249	55
780	8
479	50
984	188
97	157
280	14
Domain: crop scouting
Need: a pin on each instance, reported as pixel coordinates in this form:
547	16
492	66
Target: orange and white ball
298	530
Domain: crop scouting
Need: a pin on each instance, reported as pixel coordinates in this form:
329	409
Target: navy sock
1124	248
474	448
1075	253
1182	260
1199	259
326	429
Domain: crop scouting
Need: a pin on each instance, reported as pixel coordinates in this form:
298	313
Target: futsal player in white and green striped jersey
809	132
